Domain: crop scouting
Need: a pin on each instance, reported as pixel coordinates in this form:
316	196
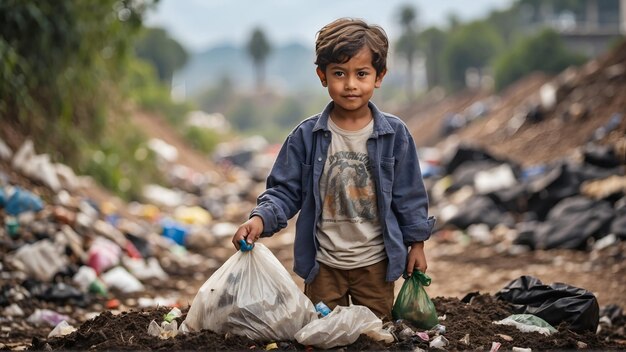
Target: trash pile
66	257
574	203
541	167
250	302
79	275
541	119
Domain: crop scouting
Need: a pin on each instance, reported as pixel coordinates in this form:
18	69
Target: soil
458	272
128	331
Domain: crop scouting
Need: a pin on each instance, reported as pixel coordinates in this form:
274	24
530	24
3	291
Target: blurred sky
200	24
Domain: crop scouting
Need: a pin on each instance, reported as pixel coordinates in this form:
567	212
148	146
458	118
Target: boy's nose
350	83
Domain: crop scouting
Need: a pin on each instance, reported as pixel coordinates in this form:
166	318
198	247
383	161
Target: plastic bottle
322	308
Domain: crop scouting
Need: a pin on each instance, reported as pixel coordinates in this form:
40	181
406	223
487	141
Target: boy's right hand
250	231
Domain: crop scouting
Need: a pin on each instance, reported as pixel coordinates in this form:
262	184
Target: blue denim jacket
293	185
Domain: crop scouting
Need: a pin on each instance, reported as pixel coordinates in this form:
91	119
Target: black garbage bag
512	199
553	186
601	155
480	210
464	174
563	180
572	222
467	153
554	303
526	233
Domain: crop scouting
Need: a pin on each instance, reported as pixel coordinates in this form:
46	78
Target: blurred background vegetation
73	72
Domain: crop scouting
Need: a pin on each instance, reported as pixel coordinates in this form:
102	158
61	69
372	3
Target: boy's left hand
416	259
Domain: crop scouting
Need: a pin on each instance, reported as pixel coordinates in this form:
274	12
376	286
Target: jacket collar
381	125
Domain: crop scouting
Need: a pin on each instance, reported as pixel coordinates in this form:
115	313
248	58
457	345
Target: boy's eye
338	73
362	74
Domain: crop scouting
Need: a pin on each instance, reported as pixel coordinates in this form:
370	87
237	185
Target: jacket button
325	134
319	159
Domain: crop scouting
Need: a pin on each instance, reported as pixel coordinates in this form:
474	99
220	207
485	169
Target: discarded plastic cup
322	308
245	246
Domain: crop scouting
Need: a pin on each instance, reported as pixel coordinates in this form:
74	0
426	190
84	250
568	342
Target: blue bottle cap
245	246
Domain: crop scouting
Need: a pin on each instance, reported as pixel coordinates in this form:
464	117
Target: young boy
353	173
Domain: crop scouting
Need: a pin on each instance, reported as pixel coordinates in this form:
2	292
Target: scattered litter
173	314
62	329
465	340
439	342
13	310
122	280
495	346
423	335
164	331
505	337
46	316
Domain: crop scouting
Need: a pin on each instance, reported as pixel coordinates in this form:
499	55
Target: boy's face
351	84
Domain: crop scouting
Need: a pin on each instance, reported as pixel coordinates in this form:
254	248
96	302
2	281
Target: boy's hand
250	231
416	258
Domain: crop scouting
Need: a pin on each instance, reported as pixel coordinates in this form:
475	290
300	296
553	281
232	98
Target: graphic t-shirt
349	232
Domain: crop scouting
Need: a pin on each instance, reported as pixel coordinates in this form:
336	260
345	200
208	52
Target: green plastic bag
413	304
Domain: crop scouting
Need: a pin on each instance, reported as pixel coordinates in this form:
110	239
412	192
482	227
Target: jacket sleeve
282	198
410	200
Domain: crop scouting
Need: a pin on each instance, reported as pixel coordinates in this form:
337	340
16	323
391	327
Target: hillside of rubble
538	119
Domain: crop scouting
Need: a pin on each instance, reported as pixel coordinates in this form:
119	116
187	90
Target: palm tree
258	49
407	43
432	43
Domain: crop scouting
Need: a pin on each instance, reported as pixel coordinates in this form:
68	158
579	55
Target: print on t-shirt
350	194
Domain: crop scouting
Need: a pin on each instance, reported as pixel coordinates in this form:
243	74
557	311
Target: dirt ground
457	270
127	330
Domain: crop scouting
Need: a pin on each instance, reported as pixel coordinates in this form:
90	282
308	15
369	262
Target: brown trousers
363	286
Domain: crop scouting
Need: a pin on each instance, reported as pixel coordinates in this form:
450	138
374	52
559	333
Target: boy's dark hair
341	39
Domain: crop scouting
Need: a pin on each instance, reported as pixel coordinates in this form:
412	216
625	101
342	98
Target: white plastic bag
528	323
251	295
342	327
121	279
41	259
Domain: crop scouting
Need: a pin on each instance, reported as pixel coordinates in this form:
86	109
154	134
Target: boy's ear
379	78
322	75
